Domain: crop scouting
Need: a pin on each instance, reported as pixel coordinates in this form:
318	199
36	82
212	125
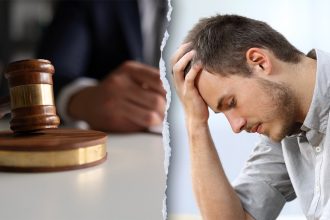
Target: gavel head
31	95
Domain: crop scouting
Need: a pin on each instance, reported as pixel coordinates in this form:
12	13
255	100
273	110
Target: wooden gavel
37	145
31	101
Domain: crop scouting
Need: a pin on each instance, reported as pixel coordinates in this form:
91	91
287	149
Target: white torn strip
166	85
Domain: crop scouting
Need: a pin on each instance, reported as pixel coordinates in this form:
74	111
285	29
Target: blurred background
22	23
305	23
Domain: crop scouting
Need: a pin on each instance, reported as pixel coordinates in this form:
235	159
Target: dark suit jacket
91	38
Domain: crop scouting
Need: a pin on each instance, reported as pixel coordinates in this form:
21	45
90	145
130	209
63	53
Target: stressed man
249	72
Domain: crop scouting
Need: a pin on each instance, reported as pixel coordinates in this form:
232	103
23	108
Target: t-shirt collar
316	121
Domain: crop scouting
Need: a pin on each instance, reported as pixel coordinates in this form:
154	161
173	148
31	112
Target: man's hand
196	110
130	99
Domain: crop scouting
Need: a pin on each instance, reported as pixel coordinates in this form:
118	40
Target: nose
236	122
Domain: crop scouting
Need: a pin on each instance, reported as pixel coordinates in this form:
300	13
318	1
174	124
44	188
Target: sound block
52	150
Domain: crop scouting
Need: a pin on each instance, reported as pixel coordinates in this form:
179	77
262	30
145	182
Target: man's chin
284	132
277	137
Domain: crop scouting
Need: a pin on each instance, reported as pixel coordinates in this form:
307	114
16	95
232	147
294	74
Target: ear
259	61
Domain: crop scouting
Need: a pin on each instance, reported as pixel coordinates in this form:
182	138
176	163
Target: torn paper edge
166	85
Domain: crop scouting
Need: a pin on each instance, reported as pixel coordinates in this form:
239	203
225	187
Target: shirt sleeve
264	184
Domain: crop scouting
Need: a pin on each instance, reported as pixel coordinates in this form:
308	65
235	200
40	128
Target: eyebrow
220	103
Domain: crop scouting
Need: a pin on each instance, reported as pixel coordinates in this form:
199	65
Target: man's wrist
77	108
193	124
66	94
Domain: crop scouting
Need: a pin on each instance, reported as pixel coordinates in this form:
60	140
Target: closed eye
232	103
225	105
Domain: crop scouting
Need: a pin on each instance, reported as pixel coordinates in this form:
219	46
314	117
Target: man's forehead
209	74
210	84
207	78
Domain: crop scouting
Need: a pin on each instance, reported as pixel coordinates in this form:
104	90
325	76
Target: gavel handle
4	106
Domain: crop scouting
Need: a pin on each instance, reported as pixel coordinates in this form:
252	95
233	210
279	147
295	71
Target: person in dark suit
106	55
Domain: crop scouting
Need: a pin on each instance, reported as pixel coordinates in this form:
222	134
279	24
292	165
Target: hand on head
195	108
130	99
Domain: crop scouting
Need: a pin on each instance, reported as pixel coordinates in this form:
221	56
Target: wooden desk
130	185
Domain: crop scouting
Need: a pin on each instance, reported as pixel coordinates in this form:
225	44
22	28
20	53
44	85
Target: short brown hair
221	42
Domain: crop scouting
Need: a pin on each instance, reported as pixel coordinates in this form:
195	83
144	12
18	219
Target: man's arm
215	196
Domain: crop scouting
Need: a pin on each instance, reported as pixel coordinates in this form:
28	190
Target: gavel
35	144
31	96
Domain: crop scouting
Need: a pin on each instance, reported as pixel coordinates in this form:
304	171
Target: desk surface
129	185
